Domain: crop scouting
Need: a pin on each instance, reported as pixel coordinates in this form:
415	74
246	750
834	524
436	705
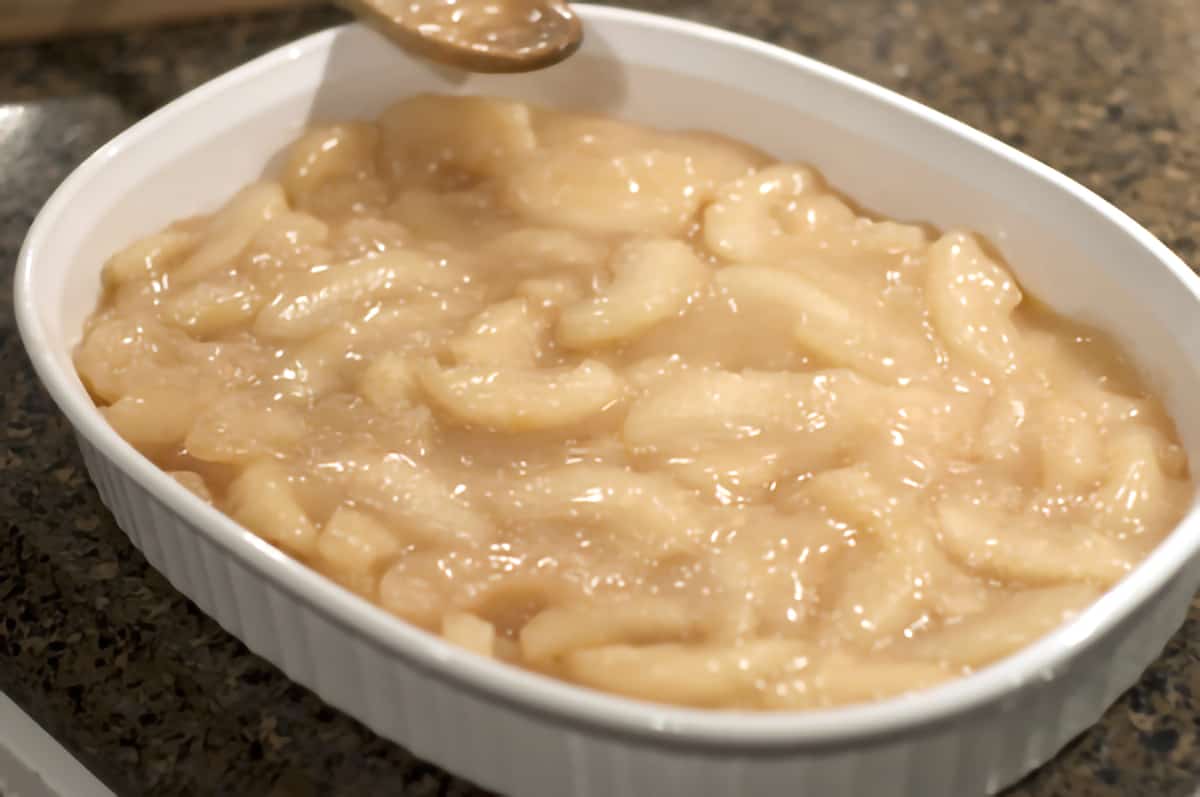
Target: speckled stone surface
156	699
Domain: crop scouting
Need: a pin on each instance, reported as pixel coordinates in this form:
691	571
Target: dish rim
666	725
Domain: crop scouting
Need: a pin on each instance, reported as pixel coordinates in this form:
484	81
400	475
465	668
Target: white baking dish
527	735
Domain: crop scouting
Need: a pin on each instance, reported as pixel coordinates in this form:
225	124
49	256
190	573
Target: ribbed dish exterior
520	752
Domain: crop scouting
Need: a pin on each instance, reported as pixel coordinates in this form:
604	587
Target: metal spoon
477	35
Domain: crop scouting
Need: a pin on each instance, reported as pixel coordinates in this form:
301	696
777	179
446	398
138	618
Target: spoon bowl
494	36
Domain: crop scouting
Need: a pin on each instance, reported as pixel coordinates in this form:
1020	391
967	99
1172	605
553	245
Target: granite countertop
156	699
